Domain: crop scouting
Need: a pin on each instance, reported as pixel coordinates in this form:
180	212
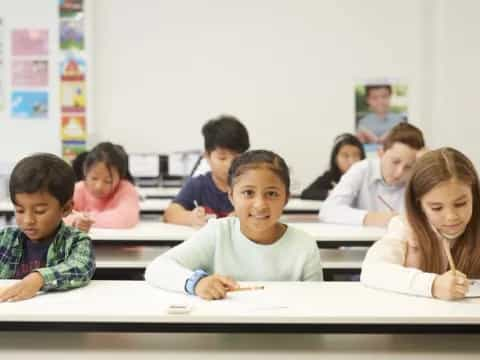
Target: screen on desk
144	166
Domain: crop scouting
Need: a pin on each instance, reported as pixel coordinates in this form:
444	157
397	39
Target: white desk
159	233
158	206
323	307
294	206
127	263
158	192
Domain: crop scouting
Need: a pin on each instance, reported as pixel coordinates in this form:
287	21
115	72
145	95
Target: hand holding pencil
453	284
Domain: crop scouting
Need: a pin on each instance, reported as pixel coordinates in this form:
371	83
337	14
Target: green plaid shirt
70	259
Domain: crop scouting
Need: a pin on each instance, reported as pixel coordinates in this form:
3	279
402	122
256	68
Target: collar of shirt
376	172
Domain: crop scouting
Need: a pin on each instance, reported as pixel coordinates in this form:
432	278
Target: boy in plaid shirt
42	251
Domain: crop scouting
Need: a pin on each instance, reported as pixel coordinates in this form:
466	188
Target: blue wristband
192	281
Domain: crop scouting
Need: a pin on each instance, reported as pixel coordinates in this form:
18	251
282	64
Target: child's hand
83	222
450	286
198	216
214	287
24	289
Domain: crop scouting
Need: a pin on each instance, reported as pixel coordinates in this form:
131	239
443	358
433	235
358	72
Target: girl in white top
252	245
442	204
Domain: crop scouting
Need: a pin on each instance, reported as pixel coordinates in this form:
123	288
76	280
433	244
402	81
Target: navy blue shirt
34	256
202	189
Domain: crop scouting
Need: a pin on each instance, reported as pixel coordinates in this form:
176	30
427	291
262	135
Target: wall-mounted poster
71	34
30	73
379	105
2	74
70	8
73	127
29	42
73	97
29	104
70	149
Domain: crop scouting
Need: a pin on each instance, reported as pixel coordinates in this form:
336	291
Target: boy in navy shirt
207	195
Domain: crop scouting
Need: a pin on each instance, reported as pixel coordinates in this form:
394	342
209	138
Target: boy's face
39	214
220	160
396	163
379	100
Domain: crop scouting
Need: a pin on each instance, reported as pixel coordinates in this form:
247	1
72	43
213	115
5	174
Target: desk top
282	306
158	206
148	233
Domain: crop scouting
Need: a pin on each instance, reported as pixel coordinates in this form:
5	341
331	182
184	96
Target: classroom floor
120	346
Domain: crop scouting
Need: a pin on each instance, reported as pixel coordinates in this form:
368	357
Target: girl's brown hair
431	169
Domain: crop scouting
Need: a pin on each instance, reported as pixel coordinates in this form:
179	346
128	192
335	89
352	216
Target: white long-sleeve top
220	247
385	267
357	194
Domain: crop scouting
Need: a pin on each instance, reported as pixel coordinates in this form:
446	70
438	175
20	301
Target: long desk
128	263
315	307
161	192
162	234
158	206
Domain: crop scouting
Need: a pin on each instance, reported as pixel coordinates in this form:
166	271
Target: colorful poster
70	149
29	104
71	34
73	128
29	42
30	73
380	104
70	8
73	68
73	96
2	74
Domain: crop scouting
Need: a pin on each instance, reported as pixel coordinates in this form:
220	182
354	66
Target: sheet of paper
474	290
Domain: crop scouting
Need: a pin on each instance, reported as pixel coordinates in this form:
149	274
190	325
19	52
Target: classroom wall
285	68
455	92
23	136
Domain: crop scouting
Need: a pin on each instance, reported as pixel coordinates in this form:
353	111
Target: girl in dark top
347	150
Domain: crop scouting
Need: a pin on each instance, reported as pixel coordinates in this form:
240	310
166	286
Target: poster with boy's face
379	106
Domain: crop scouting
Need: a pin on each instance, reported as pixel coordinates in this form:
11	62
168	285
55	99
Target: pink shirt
119	210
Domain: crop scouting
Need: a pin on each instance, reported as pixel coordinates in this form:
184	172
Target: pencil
390	207
446	247
248	288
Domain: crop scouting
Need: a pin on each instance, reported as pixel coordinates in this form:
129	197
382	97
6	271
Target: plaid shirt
70	258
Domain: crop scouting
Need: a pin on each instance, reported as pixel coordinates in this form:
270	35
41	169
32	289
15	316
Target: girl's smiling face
448	207
258	196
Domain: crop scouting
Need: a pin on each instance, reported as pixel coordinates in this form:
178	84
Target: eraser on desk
175	309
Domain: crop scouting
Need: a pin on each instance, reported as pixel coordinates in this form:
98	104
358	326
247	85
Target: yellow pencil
248	288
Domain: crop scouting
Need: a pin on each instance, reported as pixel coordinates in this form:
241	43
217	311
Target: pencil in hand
248	288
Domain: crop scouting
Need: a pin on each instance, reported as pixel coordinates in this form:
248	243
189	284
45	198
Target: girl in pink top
105	198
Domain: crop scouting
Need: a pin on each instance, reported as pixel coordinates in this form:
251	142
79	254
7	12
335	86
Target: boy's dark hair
43	172
225	132
255	159
111	155
369	88
404	133
341	140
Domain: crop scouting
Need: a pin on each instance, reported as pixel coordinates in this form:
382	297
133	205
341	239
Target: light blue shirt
379	126
357	194
221	248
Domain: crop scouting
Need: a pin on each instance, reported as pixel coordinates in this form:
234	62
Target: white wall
285	68
19	137
456	92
